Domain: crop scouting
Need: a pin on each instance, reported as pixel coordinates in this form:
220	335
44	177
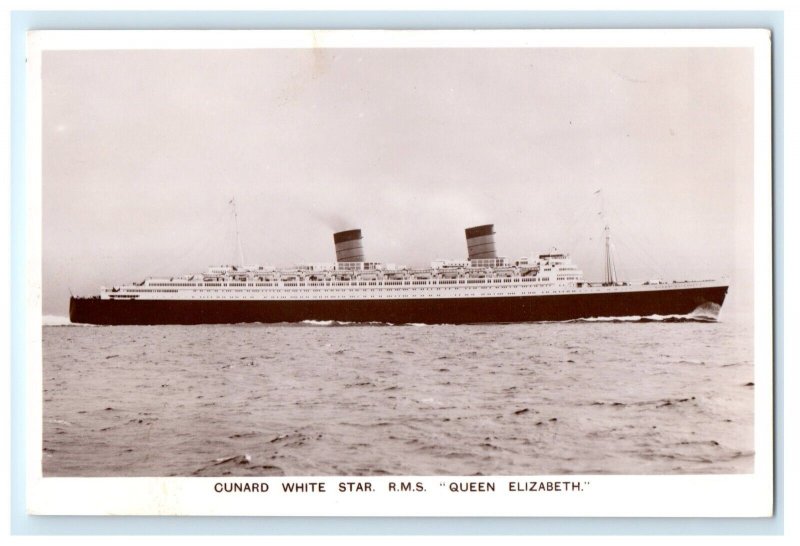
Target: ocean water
636	396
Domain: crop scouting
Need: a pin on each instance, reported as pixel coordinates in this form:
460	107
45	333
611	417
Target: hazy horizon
143	150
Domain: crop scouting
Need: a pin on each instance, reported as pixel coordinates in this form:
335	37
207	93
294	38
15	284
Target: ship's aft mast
232	202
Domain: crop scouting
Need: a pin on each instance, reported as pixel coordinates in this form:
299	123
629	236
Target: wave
57	320
325	323
692	317
650	318
341	323
346	323
707	312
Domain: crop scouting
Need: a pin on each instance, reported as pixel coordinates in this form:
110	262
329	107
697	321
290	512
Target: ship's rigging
239	249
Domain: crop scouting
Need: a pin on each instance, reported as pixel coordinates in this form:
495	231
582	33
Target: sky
143	152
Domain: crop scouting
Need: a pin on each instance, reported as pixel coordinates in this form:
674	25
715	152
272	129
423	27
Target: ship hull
398	311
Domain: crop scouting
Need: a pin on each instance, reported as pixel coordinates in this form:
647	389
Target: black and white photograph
418	260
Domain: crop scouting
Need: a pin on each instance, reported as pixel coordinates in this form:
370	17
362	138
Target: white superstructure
546	274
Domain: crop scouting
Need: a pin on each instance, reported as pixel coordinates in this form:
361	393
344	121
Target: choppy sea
658	395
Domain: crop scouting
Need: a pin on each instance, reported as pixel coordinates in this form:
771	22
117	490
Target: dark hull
398	311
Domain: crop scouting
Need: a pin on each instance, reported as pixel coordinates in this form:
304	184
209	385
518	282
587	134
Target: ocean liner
482	288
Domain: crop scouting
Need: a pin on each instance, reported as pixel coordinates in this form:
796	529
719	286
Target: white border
484	38
748	495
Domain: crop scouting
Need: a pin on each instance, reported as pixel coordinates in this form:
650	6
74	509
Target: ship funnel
348	246
480	242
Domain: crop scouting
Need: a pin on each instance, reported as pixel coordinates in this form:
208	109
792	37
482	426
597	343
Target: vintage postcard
403	273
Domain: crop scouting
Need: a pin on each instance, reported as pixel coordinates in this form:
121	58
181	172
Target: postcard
400	273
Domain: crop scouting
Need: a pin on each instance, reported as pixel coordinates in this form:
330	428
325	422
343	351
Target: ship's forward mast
610	267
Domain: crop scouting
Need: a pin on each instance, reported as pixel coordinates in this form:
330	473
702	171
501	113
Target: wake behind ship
484	288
